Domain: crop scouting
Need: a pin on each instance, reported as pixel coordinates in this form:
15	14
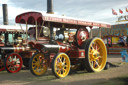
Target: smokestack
5	14
50	6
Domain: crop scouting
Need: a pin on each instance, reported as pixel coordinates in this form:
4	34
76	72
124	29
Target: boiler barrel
14	49
52	48
57	48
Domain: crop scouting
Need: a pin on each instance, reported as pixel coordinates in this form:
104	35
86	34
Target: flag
126	10
114	12
120	11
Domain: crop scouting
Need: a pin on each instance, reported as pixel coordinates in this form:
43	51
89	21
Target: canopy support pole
100	32
36	30
41	28
91	32
22	30
26	30
51	31
6	38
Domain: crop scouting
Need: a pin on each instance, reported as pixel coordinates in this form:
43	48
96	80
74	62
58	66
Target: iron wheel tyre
13	63
38	64
96	55
61	65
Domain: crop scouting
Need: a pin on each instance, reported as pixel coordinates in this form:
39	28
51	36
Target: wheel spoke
36	69
98	48
33	66
36	58
15	58
64	60
59	71
94	64
95	45
57	65
59	59
9	67
90	53
9	63
97	64
100	57
66	66
10	58
64	70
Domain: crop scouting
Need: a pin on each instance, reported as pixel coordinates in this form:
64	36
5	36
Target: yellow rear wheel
38	64
96	55
61	65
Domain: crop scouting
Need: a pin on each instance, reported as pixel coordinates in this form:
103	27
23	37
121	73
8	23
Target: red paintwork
3	30
72	50
52	55
1	44
10	30
81	32
63	47
77	53
31	17
71	37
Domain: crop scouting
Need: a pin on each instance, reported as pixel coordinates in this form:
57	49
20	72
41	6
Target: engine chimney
50	6
50	11
5	21
5	14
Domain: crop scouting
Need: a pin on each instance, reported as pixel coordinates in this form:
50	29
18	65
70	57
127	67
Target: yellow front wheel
38	64
61	65
95	55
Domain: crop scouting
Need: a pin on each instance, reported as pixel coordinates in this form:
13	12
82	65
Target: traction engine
61	49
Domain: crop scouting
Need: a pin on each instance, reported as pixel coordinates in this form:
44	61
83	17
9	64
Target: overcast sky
98	10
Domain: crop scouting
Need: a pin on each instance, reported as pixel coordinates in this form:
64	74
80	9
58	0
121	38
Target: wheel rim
97	55
1	64
14	63
62	65
39	64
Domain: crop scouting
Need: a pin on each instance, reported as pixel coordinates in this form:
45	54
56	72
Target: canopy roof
13	29
32	17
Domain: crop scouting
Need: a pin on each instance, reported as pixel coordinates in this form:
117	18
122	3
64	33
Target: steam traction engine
10	44
62	43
